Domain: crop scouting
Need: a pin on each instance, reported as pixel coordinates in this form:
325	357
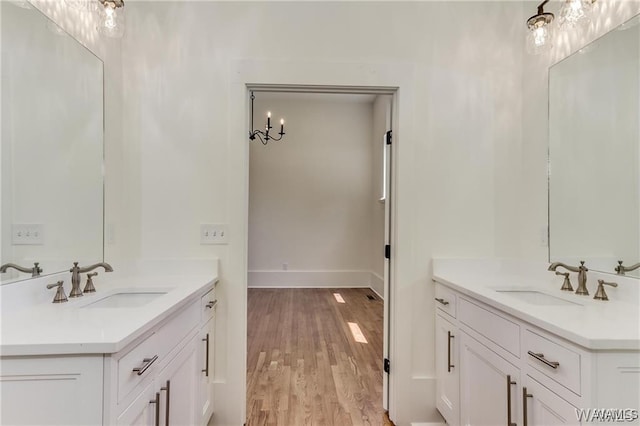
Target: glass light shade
111	23
575	13
539	37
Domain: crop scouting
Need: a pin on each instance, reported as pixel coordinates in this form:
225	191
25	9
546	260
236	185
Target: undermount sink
536	297
131	299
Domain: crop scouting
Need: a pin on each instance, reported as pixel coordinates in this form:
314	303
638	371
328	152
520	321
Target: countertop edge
590	344
105	348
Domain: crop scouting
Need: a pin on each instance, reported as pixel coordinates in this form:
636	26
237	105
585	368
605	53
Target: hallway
304	365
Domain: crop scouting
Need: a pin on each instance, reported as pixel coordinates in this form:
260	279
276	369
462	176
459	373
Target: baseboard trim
377	285
309	279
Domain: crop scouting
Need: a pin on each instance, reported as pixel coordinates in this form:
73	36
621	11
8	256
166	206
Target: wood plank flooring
304	366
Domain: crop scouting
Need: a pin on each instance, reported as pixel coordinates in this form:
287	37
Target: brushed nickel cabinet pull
525	395
444	302
157	402
509	384
540	357
167	400
206	362
449	365
146	365
212	303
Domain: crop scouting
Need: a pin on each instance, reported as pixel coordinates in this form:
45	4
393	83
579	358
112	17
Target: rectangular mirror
52	146
594	154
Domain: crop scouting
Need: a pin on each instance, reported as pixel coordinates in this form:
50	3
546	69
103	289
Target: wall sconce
575	13
540	31
264	137
111	22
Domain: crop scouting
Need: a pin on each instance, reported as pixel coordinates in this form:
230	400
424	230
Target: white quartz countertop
593	324
73	328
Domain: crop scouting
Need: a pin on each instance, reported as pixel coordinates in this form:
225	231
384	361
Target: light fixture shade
540	33
111	22
575	13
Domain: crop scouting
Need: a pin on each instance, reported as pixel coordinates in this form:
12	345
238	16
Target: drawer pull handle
540	357
449	365
157	402
206	357
146	365
212	303
509	384
168	401
444	302
525	395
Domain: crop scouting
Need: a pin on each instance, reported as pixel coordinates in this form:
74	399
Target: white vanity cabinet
446	357
205	360
510	372
164	377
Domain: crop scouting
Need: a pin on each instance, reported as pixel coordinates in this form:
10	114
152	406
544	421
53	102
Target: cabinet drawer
553	359
147	356
499	330
445	300
208	304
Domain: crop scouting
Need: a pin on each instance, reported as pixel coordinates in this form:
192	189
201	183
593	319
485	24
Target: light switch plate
212	233
27	234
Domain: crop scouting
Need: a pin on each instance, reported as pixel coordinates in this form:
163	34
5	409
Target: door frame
388	224
246	74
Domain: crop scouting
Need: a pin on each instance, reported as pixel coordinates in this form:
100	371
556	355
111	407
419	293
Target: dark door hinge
386	365
389	137
387	251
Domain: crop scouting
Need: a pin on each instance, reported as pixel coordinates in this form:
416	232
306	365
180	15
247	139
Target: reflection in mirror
594	154
52	146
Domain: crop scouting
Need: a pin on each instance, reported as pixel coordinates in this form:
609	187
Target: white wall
459	68
310	194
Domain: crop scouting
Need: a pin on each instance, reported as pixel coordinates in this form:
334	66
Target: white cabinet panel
489	385
205	371
142	411
51	391
177	385
545	408
447	377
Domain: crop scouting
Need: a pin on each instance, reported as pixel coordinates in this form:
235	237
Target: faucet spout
621	270
75	275
582	275
35	271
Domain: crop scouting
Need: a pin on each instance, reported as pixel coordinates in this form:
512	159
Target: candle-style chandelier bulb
265	136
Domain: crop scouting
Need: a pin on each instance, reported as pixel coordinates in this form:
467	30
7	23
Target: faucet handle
60	295
89	287
566	284
600	293
36	269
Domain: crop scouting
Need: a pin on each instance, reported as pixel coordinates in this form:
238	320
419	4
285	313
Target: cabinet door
542	407
177	385
205	372
447	367
489	385
143	411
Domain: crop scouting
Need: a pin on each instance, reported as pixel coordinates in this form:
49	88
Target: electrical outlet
27	234
214	234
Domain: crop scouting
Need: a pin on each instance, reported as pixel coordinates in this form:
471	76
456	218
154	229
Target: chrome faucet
75	276
620	270
35	271
582	275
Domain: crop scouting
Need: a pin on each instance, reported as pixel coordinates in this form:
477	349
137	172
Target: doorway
292	225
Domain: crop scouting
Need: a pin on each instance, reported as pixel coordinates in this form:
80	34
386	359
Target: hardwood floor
304	366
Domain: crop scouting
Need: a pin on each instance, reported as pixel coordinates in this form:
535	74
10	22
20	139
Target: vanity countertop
73	328
593	324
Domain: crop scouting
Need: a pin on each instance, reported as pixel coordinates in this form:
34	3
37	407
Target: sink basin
536	297
126	300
